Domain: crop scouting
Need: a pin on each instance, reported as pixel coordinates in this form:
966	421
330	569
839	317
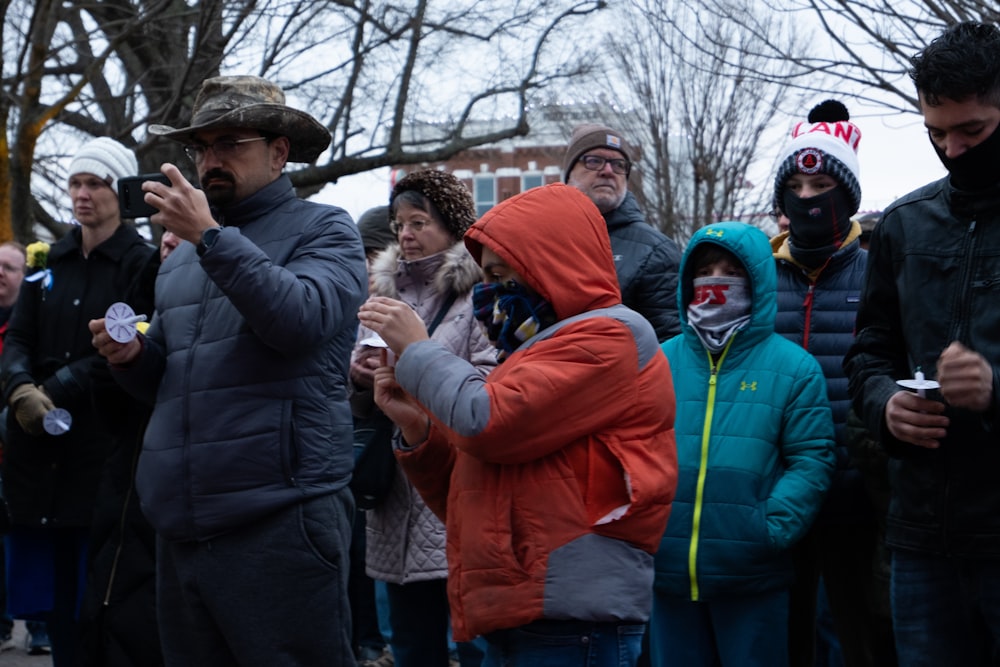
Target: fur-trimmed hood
455	270
405	543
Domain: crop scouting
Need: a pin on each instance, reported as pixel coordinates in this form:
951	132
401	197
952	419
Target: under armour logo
752	386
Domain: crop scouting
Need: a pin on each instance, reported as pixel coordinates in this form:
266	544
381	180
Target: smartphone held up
131	196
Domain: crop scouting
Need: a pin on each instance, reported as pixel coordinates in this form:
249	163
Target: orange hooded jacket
555	474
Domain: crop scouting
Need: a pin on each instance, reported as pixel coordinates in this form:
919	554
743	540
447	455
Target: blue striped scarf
510	314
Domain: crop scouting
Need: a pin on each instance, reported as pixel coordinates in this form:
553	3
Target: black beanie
374	228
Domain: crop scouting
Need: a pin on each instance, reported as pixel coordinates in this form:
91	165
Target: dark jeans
361	589
565	644
828	653
945	610
846	557
745	631
46	580
418	615
6	622
269	594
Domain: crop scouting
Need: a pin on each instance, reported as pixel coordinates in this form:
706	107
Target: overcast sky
895	156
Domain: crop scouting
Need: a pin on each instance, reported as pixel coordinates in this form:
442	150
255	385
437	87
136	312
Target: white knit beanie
105	158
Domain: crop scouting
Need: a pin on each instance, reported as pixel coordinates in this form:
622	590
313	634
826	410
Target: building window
533	180
486	193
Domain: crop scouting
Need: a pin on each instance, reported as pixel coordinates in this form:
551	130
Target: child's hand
400	407
397	323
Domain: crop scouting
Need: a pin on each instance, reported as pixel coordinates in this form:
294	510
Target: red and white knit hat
826	143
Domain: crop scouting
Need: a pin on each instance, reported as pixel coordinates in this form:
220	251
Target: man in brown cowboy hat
248	452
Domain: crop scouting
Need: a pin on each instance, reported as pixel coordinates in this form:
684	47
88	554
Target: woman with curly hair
429	269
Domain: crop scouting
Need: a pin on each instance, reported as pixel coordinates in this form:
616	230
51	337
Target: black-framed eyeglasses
620	166
224	149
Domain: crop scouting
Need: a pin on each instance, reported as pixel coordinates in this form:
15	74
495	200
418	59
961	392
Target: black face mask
817	225
977	168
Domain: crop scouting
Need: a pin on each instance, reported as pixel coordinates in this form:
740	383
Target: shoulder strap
445	307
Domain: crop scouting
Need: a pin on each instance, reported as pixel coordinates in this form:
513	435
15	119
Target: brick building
498	171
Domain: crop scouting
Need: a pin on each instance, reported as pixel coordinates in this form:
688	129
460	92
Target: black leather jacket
934	278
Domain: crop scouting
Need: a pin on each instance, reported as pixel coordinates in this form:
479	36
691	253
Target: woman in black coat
51	480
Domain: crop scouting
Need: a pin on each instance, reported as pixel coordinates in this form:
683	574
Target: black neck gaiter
975	169
817	225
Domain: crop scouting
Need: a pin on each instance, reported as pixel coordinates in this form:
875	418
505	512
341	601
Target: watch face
208	238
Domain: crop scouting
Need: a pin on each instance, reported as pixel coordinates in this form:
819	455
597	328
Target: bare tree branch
863	47
371	70
701	106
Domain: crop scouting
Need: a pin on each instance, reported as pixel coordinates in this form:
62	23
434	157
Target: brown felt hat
255	103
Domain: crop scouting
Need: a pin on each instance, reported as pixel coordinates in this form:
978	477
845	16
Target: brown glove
30	405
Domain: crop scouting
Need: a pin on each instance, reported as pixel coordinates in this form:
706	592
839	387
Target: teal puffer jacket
754	442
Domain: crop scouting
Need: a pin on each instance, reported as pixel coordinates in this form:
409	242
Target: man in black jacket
930	306
598	164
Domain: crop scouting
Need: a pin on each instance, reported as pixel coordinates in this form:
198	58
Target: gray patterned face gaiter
720	307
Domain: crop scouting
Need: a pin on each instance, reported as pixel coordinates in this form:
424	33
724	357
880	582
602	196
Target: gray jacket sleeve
450	387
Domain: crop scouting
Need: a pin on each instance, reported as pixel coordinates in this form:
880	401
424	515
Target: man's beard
216	194
606	200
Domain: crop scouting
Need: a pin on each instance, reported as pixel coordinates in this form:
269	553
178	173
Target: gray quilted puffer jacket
405	541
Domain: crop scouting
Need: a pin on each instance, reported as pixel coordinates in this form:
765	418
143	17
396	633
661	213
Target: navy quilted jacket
247	359
817	312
